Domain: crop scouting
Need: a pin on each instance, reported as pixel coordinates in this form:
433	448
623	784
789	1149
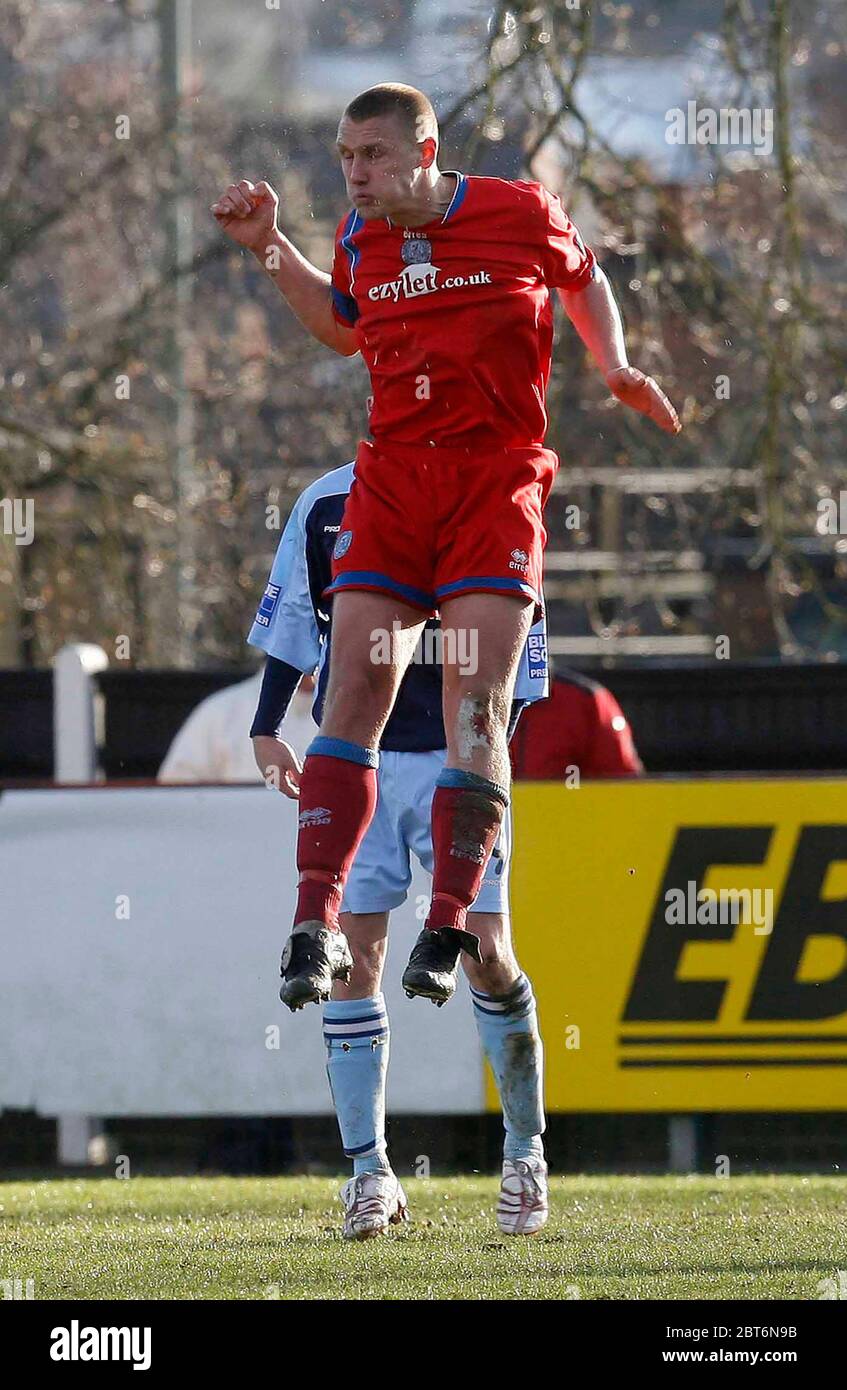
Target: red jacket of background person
580	725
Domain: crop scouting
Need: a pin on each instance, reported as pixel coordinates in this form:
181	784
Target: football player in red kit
443	282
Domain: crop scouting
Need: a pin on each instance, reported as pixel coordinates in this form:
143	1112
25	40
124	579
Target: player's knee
367	955
367	680
498	970
361	695
368	962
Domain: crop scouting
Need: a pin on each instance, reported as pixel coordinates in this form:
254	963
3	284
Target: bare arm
595	315
247	214
306	290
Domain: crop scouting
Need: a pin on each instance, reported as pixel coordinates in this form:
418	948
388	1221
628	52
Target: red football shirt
580	725
454	318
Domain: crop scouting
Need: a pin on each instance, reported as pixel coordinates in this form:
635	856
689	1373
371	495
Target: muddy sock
508	1030
466	815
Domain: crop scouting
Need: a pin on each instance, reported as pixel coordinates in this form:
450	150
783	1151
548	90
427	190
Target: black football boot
434	963
313	956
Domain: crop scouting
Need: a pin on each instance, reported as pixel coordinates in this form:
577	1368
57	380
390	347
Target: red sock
465	825
337	802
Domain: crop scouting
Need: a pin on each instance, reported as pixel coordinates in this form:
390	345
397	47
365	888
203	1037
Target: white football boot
372	1203
522	1209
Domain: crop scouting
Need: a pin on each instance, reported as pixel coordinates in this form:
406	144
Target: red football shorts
428	523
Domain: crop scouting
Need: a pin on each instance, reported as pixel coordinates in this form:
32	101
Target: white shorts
382	871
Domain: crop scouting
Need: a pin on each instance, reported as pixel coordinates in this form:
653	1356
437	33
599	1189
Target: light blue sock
356	1037
508	1030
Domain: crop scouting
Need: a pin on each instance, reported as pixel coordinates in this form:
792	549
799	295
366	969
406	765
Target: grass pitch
264	1238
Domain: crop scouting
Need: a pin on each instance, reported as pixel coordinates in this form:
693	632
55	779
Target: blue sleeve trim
345	305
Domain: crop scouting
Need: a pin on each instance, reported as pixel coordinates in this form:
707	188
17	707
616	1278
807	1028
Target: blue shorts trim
487	583
372	579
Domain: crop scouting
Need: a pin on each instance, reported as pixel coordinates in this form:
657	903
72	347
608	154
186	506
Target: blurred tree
729	263
88	378
731	276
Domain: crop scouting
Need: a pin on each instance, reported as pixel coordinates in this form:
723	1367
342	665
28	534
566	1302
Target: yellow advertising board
687	942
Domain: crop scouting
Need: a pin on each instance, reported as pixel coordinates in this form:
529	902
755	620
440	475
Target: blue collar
455	201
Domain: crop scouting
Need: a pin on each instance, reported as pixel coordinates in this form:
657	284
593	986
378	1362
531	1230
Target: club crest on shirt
342	545
419	275
417	252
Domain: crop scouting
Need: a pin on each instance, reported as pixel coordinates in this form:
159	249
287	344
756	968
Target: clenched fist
247	213
641	393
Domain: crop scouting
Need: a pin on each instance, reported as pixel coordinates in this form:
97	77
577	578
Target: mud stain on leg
520	1086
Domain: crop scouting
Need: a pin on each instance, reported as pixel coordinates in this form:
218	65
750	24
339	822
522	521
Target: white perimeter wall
167	1012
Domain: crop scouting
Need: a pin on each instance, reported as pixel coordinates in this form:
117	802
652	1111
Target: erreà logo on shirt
417	280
